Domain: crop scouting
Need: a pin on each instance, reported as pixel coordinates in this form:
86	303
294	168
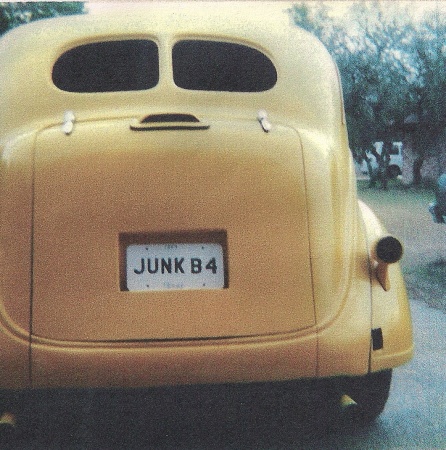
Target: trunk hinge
68	122
262	117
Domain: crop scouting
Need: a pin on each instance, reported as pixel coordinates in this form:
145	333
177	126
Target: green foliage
368	53
13	14
392	70
428	87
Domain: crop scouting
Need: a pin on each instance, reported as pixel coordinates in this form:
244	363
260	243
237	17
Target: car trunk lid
110	201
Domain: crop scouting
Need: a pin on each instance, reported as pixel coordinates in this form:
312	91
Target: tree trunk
416	170
384	163
371	172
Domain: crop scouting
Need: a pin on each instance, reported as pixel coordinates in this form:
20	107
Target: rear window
128	65
221	66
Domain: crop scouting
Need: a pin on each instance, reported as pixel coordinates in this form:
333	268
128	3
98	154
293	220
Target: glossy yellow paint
211	181
301	299
390	309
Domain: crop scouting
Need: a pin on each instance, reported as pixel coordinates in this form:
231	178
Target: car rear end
186	220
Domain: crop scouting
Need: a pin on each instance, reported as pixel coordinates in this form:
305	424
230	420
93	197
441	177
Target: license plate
158	267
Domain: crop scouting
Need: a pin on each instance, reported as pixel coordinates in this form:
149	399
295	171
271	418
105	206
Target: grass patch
396	194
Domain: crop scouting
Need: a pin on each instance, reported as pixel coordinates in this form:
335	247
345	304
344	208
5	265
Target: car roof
305	70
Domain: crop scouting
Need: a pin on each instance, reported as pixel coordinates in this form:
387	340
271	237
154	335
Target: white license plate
158	267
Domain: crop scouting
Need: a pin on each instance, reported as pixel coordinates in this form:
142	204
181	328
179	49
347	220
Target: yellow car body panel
265	176
158	186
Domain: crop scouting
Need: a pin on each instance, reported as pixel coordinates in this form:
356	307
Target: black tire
370	392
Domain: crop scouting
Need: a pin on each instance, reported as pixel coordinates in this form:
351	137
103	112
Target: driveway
424	241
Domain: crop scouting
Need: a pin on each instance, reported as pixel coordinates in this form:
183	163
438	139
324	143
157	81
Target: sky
417	7
339	8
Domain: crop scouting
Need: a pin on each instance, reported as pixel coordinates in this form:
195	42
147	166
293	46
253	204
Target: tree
376	72
427	89
392	68
371	53
13	14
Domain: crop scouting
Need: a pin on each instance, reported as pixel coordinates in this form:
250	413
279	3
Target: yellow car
178	206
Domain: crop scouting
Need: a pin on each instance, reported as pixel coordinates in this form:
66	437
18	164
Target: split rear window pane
128	65
221	66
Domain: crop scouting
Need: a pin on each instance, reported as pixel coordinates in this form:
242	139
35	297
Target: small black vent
377	339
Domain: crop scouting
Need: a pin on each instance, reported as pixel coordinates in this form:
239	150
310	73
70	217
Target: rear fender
392	343
339	260
15	266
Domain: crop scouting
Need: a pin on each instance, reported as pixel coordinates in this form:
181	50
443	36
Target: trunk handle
169	121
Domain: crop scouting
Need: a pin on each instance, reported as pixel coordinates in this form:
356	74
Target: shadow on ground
217	417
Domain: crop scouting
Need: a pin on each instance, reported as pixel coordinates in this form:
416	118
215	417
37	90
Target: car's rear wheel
370	393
